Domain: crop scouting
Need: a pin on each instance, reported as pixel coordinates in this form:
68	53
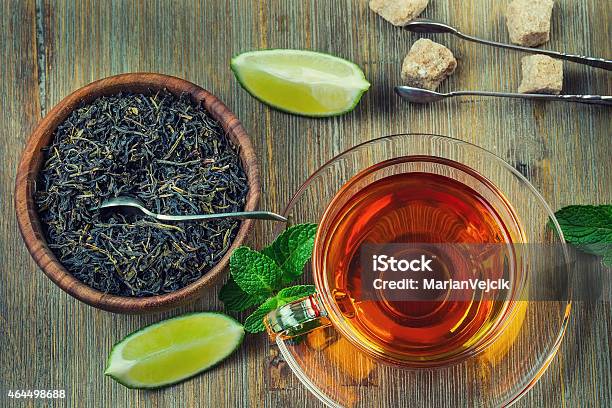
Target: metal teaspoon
418	95
431	27
135	203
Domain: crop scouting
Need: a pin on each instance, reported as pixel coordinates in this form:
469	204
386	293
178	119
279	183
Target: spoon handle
589	99
256	215
580	59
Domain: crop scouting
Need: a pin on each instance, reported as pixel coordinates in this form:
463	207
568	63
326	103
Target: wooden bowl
32	160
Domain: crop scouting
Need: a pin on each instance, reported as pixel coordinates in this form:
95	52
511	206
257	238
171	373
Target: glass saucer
341	375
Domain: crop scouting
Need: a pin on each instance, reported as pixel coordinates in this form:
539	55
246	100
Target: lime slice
302	82
173	350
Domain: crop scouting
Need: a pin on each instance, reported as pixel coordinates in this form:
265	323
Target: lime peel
301	82
173	350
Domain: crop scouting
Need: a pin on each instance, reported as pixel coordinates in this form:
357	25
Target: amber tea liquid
415	207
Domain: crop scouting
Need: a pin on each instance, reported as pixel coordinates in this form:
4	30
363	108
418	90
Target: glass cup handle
296	318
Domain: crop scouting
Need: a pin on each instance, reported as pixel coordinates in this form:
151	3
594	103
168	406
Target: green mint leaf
254	323
254	272
293	293
292	249
235	299
589	228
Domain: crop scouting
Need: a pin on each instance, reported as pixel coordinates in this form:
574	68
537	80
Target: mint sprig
588	228
259	278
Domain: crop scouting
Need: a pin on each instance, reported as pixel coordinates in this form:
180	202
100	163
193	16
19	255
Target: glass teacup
334	334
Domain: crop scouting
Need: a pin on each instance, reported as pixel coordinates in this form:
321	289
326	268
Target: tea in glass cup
429	213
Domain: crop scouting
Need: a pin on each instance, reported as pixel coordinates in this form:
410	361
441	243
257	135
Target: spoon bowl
425	26
418	95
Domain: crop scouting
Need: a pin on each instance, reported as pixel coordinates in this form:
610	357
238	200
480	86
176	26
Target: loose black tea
162	149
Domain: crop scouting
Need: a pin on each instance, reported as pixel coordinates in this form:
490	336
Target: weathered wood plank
55	341
22	293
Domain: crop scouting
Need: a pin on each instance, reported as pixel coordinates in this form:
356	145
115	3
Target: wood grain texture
50	340
33	157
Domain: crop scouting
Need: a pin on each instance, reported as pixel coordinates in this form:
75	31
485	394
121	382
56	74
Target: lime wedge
302	82
173	350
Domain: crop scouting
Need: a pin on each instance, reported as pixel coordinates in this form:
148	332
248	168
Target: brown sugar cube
541	74
398	12
528	21
427	64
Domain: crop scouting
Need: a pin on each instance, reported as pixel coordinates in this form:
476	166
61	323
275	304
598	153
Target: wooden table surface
50	48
